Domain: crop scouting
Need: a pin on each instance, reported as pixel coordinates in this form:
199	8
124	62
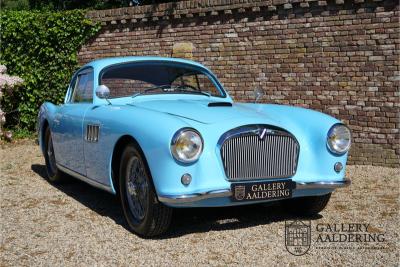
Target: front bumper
193	199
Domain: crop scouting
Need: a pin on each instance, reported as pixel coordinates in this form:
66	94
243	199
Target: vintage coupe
163	133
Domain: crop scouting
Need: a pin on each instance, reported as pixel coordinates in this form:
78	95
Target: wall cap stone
193	8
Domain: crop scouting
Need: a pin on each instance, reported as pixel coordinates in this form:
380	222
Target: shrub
41	48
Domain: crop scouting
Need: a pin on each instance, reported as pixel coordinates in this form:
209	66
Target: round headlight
339	139
186	145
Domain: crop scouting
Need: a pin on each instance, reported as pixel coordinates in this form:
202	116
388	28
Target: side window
83	90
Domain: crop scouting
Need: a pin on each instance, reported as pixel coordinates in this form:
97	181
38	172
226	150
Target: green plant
23	133
41	48
14	4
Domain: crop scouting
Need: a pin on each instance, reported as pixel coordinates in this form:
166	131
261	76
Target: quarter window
83	90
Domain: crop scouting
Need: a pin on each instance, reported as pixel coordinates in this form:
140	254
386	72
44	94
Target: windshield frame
202	70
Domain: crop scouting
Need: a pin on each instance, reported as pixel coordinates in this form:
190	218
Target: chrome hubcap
136	188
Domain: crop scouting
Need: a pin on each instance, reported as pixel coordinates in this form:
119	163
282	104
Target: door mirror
258	94
103	92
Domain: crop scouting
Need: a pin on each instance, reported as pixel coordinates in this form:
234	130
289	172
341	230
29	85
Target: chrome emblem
262	134
240	192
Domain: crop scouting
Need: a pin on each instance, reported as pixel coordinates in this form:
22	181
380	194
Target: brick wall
340	57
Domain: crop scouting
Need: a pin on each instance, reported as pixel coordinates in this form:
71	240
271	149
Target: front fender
152	130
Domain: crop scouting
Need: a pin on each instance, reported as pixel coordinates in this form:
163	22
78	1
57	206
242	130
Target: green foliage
41	48
19	133
74	4
14	4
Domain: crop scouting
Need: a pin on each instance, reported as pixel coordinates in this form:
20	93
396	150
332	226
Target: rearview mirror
102	91
258	94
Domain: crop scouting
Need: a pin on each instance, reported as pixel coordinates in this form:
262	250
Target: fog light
338	167
186	179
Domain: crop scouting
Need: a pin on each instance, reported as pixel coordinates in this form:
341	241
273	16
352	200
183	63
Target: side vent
92	133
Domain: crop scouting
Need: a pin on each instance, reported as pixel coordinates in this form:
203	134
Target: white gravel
77	225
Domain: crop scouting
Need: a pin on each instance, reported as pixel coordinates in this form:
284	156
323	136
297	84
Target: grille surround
271	143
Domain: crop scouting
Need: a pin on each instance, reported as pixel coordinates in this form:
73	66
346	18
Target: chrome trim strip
195	197
190	198
84	178
323	185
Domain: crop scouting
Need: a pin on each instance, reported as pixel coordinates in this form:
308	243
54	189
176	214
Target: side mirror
258	94
103	92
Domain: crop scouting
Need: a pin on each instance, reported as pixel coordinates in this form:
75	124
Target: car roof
105	62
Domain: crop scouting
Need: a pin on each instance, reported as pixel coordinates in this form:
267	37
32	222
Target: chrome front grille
258	152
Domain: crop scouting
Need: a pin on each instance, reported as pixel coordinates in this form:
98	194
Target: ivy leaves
41	47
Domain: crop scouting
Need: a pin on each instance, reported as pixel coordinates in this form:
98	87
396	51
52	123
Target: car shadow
185	221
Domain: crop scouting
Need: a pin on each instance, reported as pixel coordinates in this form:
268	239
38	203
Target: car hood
200	111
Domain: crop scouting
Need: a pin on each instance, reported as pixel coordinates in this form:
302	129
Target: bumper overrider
226	193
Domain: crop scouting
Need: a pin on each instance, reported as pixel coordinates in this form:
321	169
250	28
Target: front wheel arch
119	147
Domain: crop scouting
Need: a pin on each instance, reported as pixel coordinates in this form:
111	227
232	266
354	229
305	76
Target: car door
69	128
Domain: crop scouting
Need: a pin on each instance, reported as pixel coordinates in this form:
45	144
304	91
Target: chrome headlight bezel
175	140
346	135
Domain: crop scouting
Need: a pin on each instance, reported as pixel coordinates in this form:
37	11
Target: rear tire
54	175
145	215
306	206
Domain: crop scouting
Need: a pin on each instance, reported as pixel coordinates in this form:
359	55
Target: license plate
255	191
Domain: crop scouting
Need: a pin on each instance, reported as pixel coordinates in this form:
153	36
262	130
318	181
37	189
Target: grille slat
247	156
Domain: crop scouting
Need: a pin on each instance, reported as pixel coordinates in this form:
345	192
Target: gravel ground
77	225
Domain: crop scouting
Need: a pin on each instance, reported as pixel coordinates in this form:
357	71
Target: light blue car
163	133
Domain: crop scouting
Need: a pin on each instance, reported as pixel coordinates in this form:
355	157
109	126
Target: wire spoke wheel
137	188
145	215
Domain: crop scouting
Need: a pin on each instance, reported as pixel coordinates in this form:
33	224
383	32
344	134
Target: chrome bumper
179	199
323	185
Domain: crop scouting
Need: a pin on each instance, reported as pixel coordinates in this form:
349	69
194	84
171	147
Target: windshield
132	79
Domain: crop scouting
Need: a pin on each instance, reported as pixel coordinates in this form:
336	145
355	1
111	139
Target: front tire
54	175
145	215
306	206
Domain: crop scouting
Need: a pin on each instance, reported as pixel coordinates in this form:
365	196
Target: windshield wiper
154	88
186	88
169	88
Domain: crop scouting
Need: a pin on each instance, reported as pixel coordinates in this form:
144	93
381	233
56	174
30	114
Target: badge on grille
262	134
240	192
